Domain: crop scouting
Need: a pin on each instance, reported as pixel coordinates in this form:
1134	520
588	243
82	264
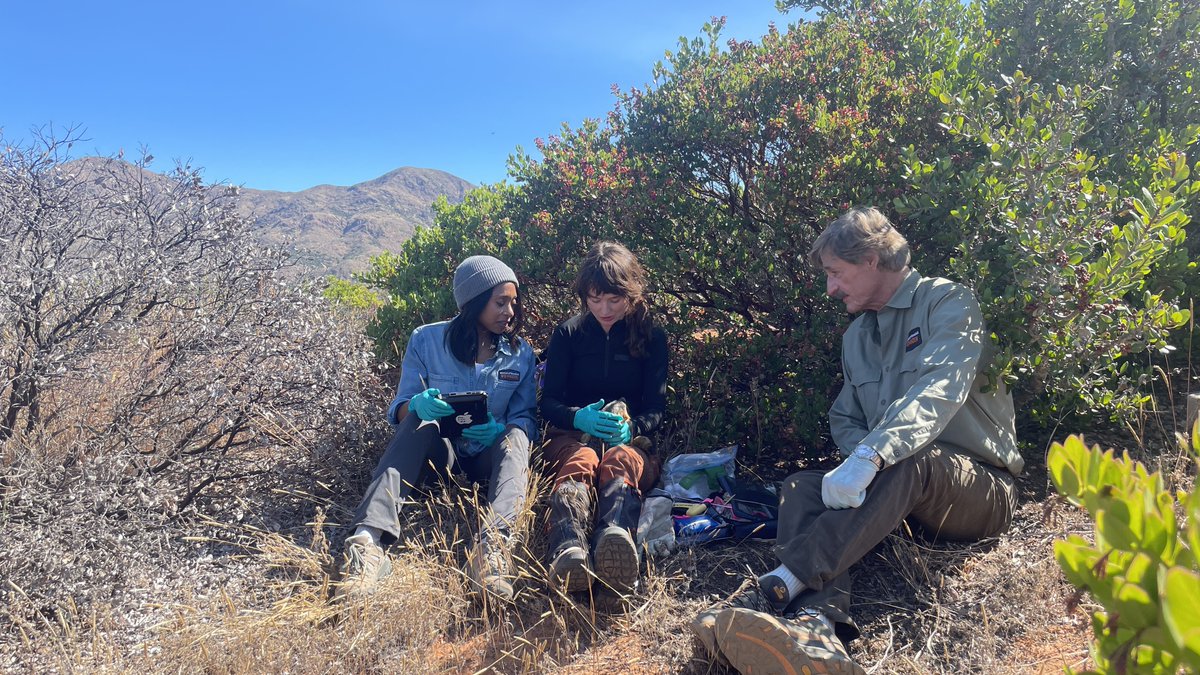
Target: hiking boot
747	596
758	642
570	512
613	550
488	567
364	564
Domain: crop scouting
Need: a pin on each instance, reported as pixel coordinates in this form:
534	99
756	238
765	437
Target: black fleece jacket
584	364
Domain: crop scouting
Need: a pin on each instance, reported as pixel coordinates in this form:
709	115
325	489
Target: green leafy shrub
1142	567
721	172
719	177
1068	263
352	295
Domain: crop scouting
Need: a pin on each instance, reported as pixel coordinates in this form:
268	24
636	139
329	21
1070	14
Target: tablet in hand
470	408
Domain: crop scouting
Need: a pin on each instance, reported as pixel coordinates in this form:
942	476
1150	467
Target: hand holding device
429	406
486	433
469	410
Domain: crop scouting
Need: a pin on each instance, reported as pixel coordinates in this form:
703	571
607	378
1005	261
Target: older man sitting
924	435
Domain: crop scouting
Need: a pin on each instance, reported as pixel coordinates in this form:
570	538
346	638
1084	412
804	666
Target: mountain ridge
333	229
336	229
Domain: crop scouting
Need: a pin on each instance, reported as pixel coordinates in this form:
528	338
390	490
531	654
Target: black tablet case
470	408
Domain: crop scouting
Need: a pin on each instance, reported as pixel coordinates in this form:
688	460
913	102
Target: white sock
793	584
374	533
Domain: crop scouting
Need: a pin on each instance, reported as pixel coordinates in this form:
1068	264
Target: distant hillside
336	229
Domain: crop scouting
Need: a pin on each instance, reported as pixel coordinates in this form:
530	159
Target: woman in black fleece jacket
611	351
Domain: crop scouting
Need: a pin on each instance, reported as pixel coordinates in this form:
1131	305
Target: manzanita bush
721	172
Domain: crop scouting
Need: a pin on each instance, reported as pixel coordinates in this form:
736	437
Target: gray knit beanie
478	274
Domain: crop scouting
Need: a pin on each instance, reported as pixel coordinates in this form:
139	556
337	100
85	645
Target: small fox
619	408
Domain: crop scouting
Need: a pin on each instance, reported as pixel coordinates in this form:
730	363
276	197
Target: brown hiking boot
614	555
759	642
776	591
489	569
615	558
747	596
569	568
363	565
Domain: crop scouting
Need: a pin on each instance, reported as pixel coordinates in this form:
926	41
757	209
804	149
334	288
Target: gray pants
418	451
946	492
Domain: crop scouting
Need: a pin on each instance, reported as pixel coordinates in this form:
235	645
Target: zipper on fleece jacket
607	355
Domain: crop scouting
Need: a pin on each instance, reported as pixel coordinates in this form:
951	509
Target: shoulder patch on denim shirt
510	375
914	339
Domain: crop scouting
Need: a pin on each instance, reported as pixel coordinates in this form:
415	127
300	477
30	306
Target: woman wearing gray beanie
477	350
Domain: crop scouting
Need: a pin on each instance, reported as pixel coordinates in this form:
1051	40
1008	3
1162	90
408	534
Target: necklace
486	349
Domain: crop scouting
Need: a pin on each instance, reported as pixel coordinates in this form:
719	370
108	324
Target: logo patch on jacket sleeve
914	339
510	375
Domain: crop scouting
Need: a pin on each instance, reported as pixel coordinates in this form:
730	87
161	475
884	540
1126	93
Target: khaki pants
948	493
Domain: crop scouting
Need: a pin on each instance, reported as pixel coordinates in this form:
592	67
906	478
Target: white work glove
656	528
846	486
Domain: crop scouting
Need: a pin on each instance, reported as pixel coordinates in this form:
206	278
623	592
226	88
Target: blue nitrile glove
485	434
428	406
620	436
592	420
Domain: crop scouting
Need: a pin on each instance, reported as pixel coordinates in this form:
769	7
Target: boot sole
754	642
616	559
704	627
569	572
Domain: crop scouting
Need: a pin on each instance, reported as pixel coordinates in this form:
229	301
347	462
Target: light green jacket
914	374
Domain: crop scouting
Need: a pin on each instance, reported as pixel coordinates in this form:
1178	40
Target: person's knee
620	462
582	467
515	443
585	477
804	480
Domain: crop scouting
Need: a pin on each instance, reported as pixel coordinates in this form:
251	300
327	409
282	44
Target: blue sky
287	95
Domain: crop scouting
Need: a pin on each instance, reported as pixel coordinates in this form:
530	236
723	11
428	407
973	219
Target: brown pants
568	458
948	493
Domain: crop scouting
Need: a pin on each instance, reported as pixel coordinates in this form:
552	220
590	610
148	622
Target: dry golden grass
992	607
975	615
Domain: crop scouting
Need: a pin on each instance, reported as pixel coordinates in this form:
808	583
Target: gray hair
861	231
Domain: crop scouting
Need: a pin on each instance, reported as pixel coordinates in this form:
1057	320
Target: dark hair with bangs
609	267
461	338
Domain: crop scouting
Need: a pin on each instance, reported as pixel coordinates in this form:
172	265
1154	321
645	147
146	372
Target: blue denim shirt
508	378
